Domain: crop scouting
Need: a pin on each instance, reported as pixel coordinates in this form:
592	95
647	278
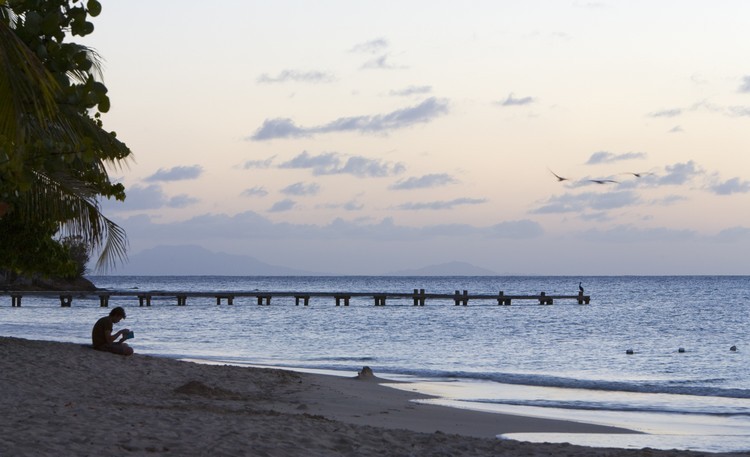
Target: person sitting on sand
102	338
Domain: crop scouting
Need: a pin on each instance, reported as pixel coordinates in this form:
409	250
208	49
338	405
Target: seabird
604	181
580	288
559	178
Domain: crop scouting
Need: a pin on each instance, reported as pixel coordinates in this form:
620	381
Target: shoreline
67	399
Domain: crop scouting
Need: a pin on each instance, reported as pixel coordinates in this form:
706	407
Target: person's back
102	338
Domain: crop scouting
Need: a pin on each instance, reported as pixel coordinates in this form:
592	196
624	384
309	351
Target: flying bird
559	178
604	181
639	175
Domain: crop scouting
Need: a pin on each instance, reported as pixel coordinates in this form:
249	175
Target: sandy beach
64	399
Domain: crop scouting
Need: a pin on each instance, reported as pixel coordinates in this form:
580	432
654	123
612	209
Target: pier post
580	297
500	299
379	300
104	300
266	297
458	299
66	301
230	299
418	297
543	299
181	300
304	298
15	300
345	298
144	298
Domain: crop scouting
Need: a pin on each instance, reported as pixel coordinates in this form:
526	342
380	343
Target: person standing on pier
102	338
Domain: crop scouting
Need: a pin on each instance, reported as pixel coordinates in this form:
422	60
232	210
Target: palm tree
53	154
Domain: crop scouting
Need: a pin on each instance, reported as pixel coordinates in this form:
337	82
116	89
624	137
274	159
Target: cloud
738	111
423	182
176	174
512	101
181	201
251	225
745	86
257	191
515	230
260	164
666	113
300	189
351	205
332	163
609	157
669	200
733	235
441	205
370	47
381	63
676	129
412	90
679	173
571	203
630	234
731	186
140	198
296	76
424	112
282	206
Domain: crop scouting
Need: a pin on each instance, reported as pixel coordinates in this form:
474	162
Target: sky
373	136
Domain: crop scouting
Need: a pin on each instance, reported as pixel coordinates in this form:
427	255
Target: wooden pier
419	297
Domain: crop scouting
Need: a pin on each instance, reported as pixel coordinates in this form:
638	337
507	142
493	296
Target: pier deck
419	297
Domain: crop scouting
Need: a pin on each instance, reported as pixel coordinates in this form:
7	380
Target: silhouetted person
102	338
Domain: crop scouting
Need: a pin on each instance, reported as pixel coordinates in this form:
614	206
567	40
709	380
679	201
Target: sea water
565	361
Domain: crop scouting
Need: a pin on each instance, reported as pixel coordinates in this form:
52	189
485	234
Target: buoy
629	352
733	348
681	350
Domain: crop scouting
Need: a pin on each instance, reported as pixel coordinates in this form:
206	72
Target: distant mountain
198	261
446	269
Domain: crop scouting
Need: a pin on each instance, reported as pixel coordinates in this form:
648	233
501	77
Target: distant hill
197	261
446	269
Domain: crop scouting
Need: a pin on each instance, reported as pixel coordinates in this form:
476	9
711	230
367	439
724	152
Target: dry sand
62	399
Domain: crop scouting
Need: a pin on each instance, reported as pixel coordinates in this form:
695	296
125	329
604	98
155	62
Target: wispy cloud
301	189
424	112
666	113
332	163
257	191
676	129
140	198
513	101
412	90
351	205
423	182
176	174
731	186
679	173
296	76
609	157
260	164
381	63
571	203
370	47
282	206
733	235
181	201
441	205
631	234
745	85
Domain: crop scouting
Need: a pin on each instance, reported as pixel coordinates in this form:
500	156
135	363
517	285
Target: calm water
566	360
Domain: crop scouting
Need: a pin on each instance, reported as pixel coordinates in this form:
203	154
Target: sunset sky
362	137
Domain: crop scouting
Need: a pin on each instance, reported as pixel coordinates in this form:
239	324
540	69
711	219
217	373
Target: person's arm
112	337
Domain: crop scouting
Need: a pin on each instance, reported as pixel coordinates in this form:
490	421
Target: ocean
682	384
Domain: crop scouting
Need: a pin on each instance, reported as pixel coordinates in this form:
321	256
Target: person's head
117	314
